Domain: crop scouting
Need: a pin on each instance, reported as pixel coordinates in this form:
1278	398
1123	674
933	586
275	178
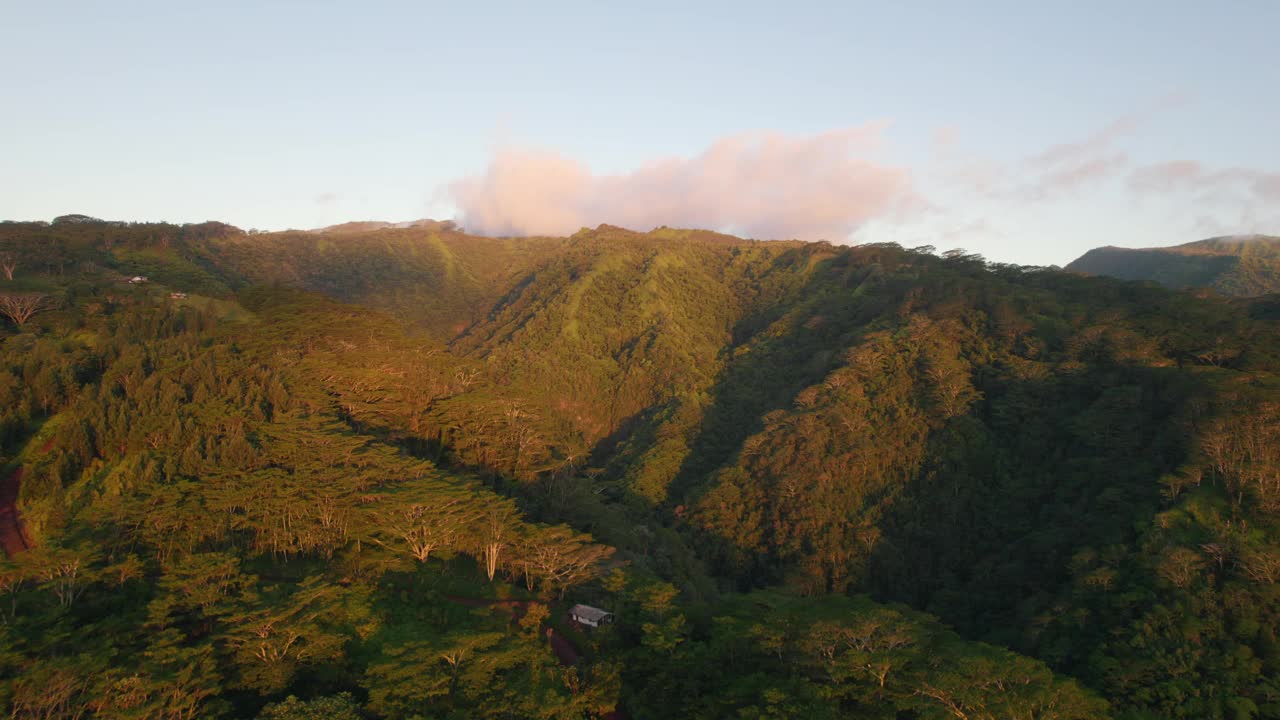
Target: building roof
586	612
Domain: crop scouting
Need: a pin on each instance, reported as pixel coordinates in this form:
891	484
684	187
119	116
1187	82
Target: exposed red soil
565	652
12	538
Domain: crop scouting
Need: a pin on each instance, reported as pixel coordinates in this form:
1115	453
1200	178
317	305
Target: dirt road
12	539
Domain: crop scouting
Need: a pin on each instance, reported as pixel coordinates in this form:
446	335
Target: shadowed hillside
1241	266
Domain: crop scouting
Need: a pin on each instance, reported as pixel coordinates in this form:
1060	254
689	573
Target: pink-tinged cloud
1104	138
1059	169
1267	187
1077	174
1240	199
765	185
1072	166
944	140
1192	176
1097	143
979	229
1167	177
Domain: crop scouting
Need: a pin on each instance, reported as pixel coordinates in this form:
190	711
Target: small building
137	280
590	616
178	295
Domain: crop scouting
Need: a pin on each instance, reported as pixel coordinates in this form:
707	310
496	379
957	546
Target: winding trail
12	537
565	652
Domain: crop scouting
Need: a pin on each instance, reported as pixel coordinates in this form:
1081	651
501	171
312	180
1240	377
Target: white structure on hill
590	616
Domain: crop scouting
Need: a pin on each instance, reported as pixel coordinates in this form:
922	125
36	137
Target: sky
1027	132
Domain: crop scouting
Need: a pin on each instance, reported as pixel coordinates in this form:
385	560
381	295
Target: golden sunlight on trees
495	531
22	307
424	519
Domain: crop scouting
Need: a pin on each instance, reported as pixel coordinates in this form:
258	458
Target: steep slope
432	277
1241	266
618	323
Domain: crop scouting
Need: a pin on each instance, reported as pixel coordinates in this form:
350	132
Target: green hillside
363	472
1243	266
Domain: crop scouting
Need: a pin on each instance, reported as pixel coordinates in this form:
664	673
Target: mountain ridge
1234	265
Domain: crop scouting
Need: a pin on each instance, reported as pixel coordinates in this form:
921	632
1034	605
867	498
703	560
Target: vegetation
1243	266
363	473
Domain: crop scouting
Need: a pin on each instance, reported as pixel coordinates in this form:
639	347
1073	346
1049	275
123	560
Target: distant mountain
1238	265
359	226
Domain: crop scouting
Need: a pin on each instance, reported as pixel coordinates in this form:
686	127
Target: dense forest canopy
363	473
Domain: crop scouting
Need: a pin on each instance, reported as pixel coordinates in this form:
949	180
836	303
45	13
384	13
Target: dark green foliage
773	655
1242	266
338	707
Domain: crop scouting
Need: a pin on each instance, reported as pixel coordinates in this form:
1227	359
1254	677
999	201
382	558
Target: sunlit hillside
374	468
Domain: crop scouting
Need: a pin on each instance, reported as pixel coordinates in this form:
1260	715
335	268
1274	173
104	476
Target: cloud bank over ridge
838	186
763	185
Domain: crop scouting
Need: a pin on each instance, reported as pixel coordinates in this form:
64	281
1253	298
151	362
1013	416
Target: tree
8	263
415	674
561	558
495	531
863	648
339	707
422	520
64	572
272	641
51	689
20	308
171	681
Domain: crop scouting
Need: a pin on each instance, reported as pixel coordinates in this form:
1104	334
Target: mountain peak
363	226
1237	265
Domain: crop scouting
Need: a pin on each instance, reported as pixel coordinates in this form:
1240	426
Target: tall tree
8	263
423	519
495	530
21	307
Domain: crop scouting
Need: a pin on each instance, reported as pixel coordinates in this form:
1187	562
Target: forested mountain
1238	265
362	472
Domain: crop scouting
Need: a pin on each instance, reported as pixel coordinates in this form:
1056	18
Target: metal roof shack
591	616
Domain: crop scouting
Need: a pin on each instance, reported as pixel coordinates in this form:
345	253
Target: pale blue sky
300	114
